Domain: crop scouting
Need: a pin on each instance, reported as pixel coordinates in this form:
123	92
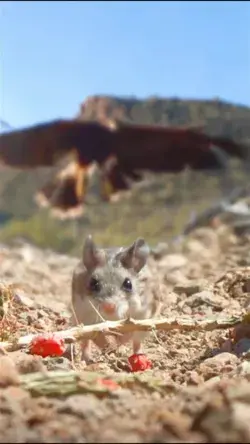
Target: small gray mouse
112	282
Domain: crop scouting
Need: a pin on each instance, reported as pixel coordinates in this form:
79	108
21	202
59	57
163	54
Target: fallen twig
130	325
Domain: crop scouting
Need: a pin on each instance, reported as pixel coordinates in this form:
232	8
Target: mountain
217	117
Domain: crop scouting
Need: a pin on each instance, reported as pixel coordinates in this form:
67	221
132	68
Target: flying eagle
121	151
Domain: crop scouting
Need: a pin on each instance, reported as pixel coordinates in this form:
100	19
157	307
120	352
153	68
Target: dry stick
131	325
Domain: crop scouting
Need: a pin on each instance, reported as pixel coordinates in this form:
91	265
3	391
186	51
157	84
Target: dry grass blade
130	325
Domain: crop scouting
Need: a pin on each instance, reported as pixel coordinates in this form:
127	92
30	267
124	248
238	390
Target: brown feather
46	144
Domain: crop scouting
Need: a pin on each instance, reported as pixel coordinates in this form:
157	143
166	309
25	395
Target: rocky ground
197	390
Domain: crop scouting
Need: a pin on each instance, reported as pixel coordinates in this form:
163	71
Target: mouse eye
94	285
127	285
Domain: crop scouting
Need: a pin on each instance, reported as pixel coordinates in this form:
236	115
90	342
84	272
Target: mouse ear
92	256
135	256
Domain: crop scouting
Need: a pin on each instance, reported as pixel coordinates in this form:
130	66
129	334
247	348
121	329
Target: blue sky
54	54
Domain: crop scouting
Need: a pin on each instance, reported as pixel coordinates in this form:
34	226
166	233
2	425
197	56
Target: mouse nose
108	307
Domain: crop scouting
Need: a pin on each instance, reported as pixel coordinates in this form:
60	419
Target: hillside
122	221
217	117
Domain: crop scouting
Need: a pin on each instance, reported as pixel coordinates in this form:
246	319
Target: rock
185	309
225	423
222	359
173	261
206	298
3	352
171	298
83	407
194	378
189	288
16	393
40	324
160	250
196	249
203	244
26	363
241	419
221	363
58	363
41	314
21	298
244	261
243	369
8	372
207	237
226	236
176	277
212	381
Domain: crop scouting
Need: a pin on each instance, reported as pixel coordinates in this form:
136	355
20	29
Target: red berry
139	362
47	345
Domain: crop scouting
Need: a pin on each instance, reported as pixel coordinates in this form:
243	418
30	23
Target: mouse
111	284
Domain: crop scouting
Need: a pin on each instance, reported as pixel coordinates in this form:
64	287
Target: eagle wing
134	148
48	143
38	145
230	147
164	149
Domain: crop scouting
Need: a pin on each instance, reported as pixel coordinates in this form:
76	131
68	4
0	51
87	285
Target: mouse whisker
97	311
103	319
74	314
